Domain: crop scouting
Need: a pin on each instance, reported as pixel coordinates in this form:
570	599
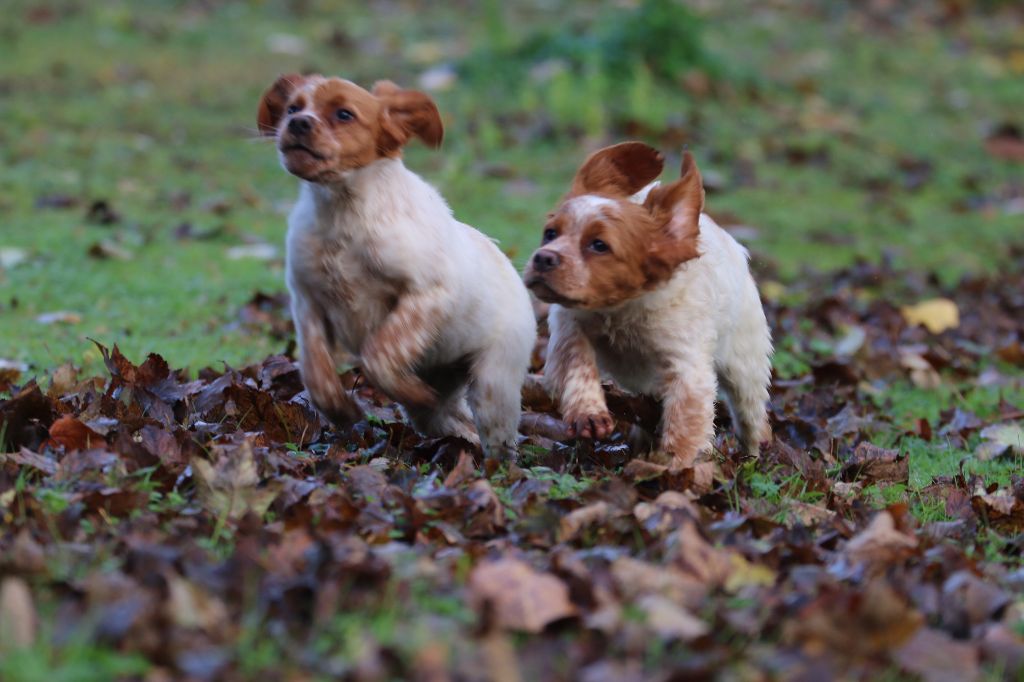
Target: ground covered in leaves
160	527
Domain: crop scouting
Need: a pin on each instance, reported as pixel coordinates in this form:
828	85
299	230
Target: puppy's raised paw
598	425
335	403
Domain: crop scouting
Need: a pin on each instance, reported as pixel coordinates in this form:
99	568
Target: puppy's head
602	246
325	127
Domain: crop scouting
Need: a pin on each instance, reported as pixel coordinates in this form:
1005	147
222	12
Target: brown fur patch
645	243
391	354
382	123
316	365
675	209
687	424
407	113
274	101
620	170
572	376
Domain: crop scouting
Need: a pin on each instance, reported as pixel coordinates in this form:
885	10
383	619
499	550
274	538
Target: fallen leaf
743	573
872	464
11	256
670	621
18	619
922	373
108	250
263	252
937	657
59	316
521	597
936	314
1001	508
578	520
999	439
190	606
463	471
71	434
697	557
230	487
1006	142
880	542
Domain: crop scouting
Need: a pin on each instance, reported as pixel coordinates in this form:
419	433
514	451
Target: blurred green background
138	207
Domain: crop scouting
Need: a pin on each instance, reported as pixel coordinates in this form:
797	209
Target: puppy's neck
354	186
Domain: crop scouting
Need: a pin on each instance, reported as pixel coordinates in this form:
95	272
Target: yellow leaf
744	573
936	314
772	290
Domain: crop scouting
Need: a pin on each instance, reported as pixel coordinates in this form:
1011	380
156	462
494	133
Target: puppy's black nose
544	260
299	125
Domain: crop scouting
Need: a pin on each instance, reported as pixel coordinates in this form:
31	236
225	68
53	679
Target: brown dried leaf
937	657
71	434
18	619
872	464
521	597
670	621
573	523
880	542
230	488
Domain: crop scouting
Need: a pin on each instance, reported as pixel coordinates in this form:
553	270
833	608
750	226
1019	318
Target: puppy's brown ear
274	100
620	170
405	114
676	209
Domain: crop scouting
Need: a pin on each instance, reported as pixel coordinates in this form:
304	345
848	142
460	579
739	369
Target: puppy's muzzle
546	261
300	125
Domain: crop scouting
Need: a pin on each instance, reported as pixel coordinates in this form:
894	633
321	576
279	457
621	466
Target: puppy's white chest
624	353
346	284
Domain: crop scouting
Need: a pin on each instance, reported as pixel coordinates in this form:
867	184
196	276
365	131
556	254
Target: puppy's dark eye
292	108
344	115
598	246
549	235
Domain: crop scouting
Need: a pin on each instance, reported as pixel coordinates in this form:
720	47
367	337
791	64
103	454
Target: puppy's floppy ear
404	114
620	170
676	209
272	105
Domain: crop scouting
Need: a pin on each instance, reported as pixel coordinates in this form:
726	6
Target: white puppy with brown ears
653	293
379	269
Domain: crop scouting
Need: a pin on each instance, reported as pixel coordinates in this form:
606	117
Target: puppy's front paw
596	425
331	399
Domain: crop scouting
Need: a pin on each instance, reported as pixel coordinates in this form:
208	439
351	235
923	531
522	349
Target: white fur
705	323
383	234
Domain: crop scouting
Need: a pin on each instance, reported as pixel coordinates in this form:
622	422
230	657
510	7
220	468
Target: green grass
77	659
153	110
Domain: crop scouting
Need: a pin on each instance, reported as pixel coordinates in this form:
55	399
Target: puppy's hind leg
495	397
451	417
744	375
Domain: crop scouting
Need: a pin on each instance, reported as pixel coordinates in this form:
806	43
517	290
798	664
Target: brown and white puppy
379	269
650	291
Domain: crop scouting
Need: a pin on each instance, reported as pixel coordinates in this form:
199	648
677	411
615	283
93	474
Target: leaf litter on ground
182	519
